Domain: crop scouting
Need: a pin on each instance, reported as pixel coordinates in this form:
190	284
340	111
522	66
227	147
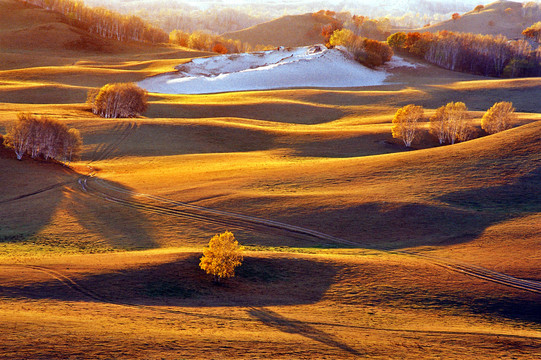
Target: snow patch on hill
313	66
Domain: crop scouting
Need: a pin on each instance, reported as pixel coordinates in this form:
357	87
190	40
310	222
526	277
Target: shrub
397	40
119	100
222	256
219	48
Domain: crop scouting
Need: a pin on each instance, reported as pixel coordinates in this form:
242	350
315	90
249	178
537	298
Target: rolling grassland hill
289	31
501	17
352	241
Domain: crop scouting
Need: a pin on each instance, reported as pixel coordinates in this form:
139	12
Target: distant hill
27	27
493	19
290	30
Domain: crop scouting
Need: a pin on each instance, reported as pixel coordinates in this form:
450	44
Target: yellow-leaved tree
499	117
405	123
222	256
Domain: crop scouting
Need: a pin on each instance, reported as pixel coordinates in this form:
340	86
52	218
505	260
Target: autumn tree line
450	123
487	55
104	22
43	138
205	41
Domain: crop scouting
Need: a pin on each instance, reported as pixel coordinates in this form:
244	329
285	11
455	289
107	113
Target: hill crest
289	30
502	17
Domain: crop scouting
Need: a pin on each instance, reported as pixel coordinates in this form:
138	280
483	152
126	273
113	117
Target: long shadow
117	226
259	282
276	281
49	188
463	216
279	322
182	139
522	196
277	112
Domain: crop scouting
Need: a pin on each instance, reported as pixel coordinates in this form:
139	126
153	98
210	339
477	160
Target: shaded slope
27	27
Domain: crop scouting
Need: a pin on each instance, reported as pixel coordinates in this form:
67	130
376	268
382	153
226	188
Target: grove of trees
118	100
222	256
204	41
43	137
486	55
104	22
451	123
368	52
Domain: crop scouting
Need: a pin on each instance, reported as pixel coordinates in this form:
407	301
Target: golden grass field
82	276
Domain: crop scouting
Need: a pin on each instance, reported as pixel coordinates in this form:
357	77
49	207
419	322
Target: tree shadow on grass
281	112
260	281
281	323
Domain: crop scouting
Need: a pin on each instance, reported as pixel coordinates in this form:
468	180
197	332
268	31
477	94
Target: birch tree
405	124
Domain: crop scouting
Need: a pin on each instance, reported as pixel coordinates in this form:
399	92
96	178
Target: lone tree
119	100
222	256
405	123
498	117
478	8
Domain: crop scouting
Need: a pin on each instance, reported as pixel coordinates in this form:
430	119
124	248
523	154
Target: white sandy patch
400	62
314	66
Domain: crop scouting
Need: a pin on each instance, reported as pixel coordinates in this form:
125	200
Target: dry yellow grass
492	20
318	158
289	30
360	305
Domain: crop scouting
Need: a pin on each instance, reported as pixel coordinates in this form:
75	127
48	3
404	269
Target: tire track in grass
100	153
479	272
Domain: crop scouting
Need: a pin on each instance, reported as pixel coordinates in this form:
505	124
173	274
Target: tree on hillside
459	128
533	32
439	124
478	8
222	256
455	16
104	22
405	123
119	100
498	117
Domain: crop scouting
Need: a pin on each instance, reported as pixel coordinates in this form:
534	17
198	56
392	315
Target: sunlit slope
290	30
493	19
359	304
429	197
